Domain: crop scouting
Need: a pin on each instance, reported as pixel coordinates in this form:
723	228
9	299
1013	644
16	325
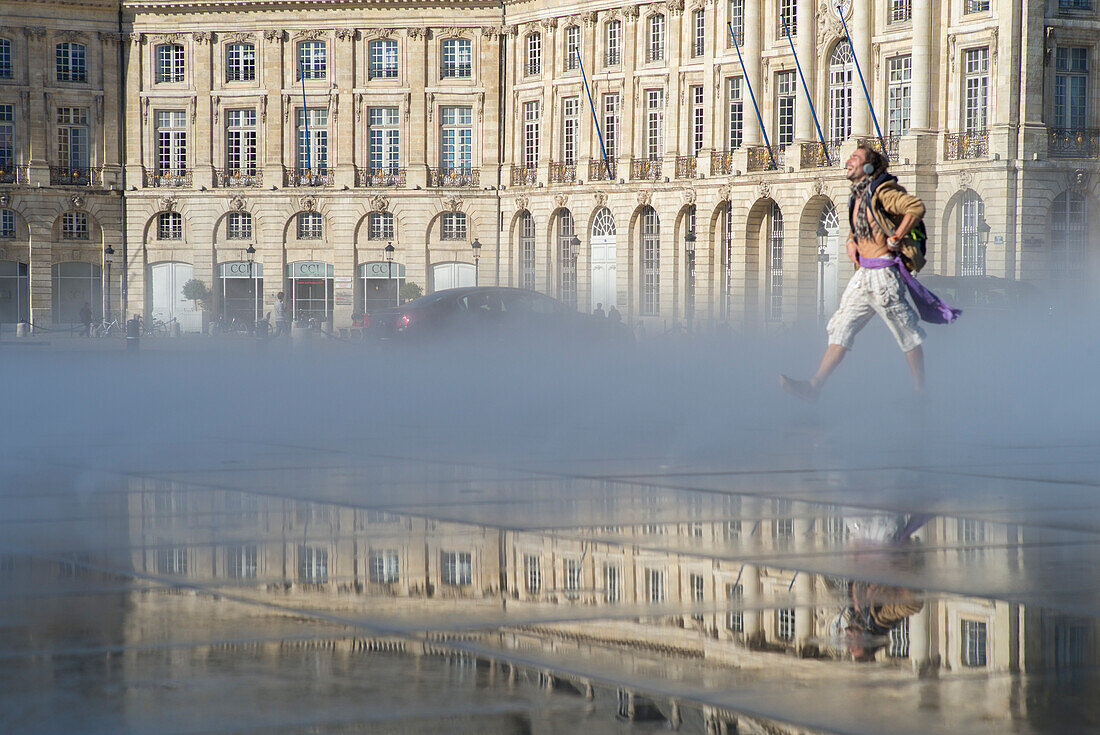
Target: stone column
418	117
135	114
922	67
37	111
208	117
804	130
277	113
751	598
860	28
342	109
750	54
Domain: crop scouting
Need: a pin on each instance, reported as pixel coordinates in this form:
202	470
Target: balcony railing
532	68
613	58
232	178
1073	143
721	162
384	71
454	176
814	154
75	175
645	168
456	70
524	176
563	173
12	174
321	176
179	178
965	146
759	160
893	145
686	166
698	48
597	170
371	177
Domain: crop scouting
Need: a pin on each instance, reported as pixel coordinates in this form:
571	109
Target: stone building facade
284	148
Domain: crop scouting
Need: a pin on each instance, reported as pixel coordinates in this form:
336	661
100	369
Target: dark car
487	312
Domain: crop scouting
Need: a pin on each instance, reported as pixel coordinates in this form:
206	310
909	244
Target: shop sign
240	269
382	269
310	269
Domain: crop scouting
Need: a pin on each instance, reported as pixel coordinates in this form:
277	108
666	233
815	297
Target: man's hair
874	158
279	295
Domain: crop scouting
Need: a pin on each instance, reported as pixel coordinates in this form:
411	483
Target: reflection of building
319	136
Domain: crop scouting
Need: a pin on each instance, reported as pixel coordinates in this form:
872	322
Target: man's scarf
861	227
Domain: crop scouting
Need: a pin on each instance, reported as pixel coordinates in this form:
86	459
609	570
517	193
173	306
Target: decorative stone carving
818	187
645	196
5	200
601	198
215	104
70	36
993	45
202	37
345	34
310	34
452	204
1078	181
414	32
38	32
951	40
236	37
724	192
549	23
689	196
480	106
272	34
113	37
966	180
237	204
490	31
77	201
308	204
379	204
167	37
675	7
191	107
765	190
521	203
588	17
510	30
145	110
1049	41
561	199
431	105
168	204
286	109
408	104
263	109
631	12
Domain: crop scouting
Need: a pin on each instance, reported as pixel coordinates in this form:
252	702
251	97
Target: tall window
310	226
784	629
567	263
570	121
456	567
611	124
1071	68
737	21
458	60
775	265
572	574
534	54
697	118
5	59
976	89
1068	236
651	262
788	14
312	140
170	63
380	226
7	224
241	561
240	142
172	560
973	643
72	137
384	139
727	269
975	6
654	585
7	143
841	68
736	118
72	62
899	11
383	59
971	252
457	137
655	49
698	33
784	99
614	43
312	565
240	62
898	94
531	134
453	226
612	583
698	592
654	123
527	251
735	620
169	226
238	226
385	567
532	568
572	47
74	226
312	60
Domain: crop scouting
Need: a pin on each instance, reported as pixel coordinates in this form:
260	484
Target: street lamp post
574	249
108	258
389	251
822	259
689	305
250	252
476	246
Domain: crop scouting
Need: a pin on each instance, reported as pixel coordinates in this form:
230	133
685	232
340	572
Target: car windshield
480	301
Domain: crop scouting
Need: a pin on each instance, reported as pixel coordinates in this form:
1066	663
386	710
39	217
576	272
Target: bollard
133	334
23	329
176	329
300	332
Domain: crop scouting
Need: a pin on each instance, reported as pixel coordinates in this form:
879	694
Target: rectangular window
5	59
74	226
572	48
238	226
169	226
7	143
783	529
899	11
697	118
312	60
651	272
736	118
1071	68
241	561
384	568
72	137
527	245
655	123
899	640
310	226
458	60
7	224
784	629
312	565
532	566
534	54
698	592
312	140
453	226
72	62
654	585
171	136
784	106
383	59
735	620
655	50
976	89
737	21
240	62
531	134
611	124
457	568
384	139
457	137
380	226
172	560
898	94
612	583
699	33
614	43
170	63
240	143
788	19
973	643
570	123
572	569
975	6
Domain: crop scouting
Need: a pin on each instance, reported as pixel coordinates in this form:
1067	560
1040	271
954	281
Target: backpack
914	246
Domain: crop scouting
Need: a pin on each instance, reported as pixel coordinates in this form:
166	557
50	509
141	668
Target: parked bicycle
108	329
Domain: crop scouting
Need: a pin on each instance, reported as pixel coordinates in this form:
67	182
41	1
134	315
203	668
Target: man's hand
853	250
893	242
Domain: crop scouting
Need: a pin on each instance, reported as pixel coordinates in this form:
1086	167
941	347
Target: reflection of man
876	610
282	316
86	318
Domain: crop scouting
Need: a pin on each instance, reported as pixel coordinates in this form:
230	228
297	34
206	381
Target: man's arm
899	202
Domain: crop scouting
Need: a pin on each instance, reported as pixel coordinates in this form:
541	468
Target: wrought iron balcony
524	176
173	179
645	168
532	69
760	160
456	70
75	175
321	176
563	173
370	177
1073	143
12	174
814	154
597	170
721	162
893	145
613	58
382	71
965	146
686	166
227	178
454	176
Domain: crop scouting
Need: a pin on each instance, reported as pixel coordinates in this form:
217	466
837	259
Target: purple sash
930	307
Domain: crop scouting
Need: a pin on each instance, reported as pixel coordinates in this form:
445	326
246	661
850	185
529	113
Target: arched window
1068	244
72	62
603	225
534	54
651	262
453	226
310	226
727	260
971	249
567	258
841	69
383	59
527	251
775	265
828	250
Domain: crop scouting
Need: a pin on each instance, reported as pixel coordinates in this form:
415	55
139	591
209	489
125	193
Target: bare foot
803	389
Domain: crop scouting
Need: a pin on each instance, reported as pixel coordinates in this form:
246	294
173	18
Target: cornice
138	6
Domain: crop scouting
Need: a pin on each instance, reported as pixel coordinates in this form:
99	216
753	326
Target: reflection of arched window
775	265
1068	248
651	262
727	260
567	258
527	251
971	249
841	67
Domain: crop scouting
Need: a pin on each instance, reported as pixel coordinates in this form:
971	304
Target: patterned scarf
861	228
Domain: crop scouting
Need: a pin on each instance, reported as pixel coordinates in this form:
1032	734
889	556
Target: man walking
282	317
86	318
881	215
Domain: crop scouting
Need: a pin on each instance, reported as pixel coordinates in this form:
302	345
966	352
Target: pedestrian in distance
86	318
885	245
282	316
614	315
599	312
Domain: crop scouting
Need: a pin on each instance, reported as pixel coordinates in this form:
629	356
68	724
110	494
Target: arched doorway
75	284
602	245
971	247
452	275
828	260
166	290
242	289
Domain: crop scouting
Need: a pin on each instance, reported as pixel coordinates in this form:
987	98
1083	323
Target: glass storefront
382	282
76	284
242	289
15	292
311	290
